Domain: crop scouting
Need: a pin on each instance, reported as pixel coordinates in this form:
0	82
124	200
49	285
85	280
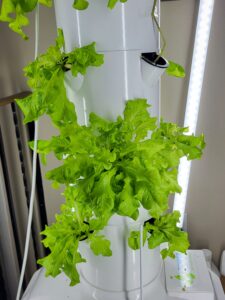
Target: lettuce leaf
46	78
100	245
175	70
62	238
80	4
112	3
163	229
14	12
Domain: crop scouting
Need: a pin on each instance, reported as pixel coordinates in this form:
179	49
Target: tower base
42	288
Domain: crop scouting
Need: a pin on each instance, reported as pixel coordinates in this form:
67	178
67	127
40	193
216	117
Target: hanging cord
141	247
161	35
34	167
160	105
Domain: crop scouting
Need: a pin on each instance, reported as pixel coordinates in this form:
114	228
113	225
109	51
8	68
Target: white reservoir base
162	287
42	288
195	263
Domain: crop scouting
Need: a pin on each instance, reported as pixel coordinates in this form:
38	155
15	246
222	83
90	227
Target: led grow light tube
34	171
194	94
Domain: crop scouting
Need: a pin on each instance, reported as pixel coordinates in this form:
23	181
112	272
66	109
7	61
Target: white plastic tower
122	35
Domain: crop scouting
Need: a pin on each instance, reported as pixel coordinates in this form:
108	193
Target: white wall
15	53
206	196
178	21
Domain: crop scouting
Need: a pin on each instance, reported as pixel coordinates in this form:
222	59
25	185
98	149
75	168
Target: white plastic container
153	68
121	271
105	89
122	35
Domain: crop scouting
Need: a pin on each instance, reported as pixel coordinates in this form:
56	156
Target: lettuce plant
46	79
108	167
15	13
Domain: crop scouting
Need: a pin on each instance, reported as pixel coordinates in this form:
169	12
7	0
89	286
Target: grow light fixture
194	94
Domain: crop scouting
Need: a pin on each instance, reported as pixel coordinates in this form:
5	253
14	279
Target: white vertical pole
141	276
34	171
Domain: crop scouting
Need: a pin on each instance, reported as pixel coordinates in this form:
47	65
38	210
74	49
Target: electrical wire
34	169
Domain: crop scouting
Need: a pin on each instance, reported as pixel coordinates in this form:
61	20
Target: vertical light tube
125	52
194	94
